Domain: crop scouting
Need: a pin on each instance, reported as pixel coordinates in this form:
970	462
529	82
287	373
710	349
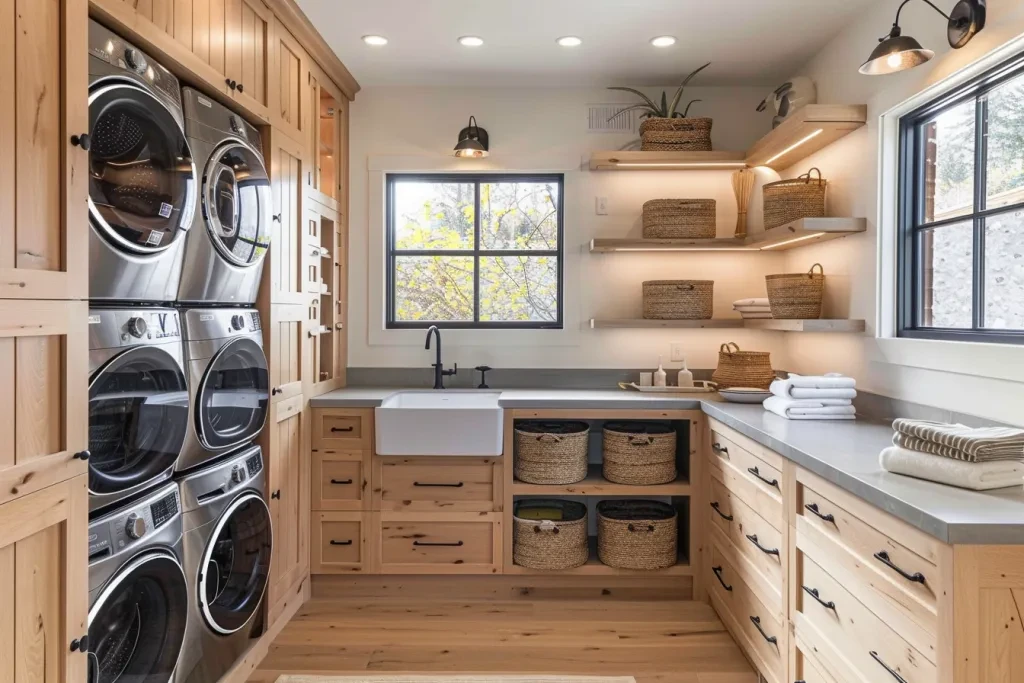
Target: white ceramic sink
441	422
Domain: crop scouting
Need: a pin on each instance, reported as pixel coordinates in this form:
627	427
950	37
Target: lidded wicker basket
680	219
549	534
637	534
640	453
796	295
788	200
678	299
743	368
676	135
551	452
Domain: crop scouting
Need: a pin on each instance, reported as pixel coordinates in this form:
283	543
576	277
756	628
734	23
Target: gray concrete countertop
844	453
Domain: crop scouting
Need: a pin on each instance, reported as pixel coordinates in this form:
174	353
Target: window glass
1004	271
1005	174
947	255
949	164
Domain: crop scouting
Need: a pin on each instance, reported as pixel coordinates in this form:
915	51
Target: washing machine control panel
116	532
120	54
115	328
254	465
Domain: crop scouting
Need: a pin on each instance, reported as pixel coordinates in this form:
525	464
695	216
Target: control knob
135	60
135	526
237	322
238	474
137	327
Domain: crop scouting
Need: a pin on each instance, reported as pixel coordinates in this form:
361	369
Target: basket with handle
637	534
788	200
640	453
743	368
549	534
678	299
551	452
691	134
796	295
679	219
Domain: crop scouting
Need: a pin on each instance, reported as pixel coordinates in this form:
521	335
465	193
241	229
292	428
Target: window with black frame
477	251
961	255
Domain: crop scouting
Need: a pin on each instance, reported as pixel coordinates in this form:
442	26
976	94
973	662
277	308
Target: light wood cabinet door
248	38
43	394
43	585
285	443
328	112
43	191
289	87
288	347
287	279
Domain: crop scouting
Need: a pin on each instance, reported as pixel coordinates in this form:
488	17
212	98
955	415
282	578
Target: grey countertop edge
952	532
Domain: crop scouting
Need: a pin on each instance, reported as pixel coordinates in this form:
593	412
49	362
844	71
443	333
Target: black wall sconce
473	141
897	52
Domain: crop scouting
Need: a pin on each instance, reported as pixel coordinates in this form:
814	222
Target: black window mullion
476	252
980	200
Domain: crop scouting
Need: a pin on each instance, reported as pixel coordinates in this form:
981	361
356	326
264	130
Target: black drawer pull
719	448
456	544
813	592
827	517
457	485
341	482
892	672
767	551
714	506
883	557
276	495
757	623
718	574
348	542
757	473
342	429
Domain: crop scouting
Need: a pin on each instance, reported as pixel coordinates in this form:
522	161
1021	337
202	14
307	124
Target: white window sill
455	338
996	361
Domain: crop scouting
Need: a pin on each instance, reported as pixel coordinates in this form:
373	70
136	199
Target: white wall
985	380
407	129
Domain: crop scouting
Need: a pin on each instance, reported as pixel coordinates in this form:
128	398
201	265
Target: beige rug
456	679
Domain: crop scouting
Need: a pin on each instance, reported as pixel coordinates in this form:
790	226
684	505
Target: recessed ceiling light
569	41
471	41
375	41
663	41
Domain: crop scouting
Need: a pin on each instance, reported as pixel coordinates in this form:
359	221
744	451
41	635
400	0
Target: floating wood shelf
783	238
806	131
594	567
820	325
666	161
596	485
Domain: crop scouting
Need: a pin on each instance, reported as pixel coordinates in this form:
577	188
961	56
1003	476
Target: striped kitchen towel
971	444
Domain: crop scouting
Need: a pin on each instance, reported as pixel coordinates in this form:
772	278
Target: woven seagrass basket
549	534
551	452
678	299
639	453
796	295
676	135
788	200
636	534
743	368
680	219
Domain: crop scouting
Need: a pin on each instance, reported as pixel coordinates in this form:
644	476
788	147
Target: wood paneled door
44	569
289	85
287	279
43	175
289	349
250	30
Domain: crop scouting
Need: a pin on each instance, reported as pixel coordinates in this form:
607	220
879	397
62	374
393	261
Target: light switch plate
676	352
601	206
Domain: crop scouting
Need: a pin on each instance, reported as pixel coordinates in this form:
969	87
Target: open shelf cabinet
594	567
596	485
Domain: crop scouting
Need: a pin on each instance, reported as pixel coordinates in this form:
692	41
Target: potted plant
664	127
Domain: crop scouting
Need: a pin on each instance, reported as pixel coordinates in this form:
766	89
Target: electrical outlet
601	206
676	352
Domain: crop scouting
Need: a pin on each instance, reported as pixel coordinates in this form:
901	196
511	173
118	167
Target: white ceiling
747	41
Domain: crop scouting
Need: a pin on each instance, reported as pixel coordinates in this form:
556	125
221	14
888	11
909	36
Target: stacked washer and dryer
180	535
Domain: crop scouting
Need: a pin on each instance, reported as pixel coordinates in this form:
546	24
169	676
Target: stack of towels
753	309
806	397
955	454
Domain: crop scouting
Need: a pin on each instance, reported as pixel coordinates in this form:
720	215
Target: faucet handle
453	371
483	370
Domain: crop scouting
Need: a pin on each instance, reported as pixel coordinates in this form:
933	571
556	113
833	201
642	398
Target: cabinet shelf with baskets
594	567
596	485
817	325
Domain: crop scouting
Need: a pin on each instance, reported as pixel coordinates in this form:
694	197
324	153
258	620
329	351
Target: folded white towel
785	388
823	386
799	409
752	309
755	316
832	380
761	301
980	476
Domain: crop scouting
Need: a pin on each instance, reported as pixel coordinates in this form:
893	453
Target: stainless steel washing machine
138	593
138	401
228	542
142	180
229	385
231	230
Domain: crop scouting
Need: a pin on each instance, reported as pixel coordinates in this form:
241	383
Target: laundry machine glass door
137	624
138	418
237	204
233	398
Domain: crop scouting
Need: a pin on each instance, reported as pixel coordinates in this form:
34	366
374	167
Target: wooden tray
699	387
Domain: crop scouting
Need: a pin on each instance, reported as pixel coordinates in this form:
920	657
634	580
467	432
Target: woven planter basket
636	534
679	219
658	124
796	295
788	200
743	368
549	534
551	452
678	299
639	453
676	135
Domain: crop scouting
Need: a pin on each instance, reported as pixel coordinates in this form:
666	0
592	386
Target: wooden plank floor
673	641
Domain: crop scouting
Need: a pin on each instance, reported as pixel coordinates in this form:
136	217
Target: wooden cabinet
43	176
291	103
438	484
341	479
43	585
341	542
440	543
328	138
343	429
288	347
248	41
284	277
324	257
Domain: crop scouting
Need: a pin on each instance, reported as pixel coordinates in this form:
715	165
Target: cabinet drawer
341	481
863	639
440	543
756	628
749	479
433	483
806	669
342	429
339	542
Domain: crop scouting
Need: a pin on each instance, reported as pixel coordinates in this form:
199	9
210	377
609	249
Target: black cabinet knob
83	141
275	391
241	88
276	494
81	455
277	217
232	84
80	644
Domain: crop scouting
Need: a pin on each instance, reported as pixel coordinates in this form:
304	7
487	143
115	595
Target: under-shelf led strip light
683	164
795	239
795	145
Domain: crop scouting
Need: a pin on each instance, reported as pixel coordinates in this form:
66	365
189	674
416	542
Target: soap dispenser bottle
659	375
685	377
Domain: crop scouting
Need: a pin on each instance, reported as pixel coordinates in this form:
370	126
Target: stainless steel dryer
231	230
138	401
138	594
142	180
227	552
229	385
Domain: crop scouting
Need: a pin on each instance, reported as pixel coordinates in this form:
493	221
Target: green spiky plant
667	110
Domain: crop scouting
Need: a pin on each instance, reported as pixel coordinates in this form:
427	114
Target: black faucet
439	372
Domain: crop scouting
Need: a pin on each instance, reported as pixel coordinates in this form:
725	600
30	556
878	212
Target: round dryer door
142	181
137	624
233	397
138	418
235	565
237	204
